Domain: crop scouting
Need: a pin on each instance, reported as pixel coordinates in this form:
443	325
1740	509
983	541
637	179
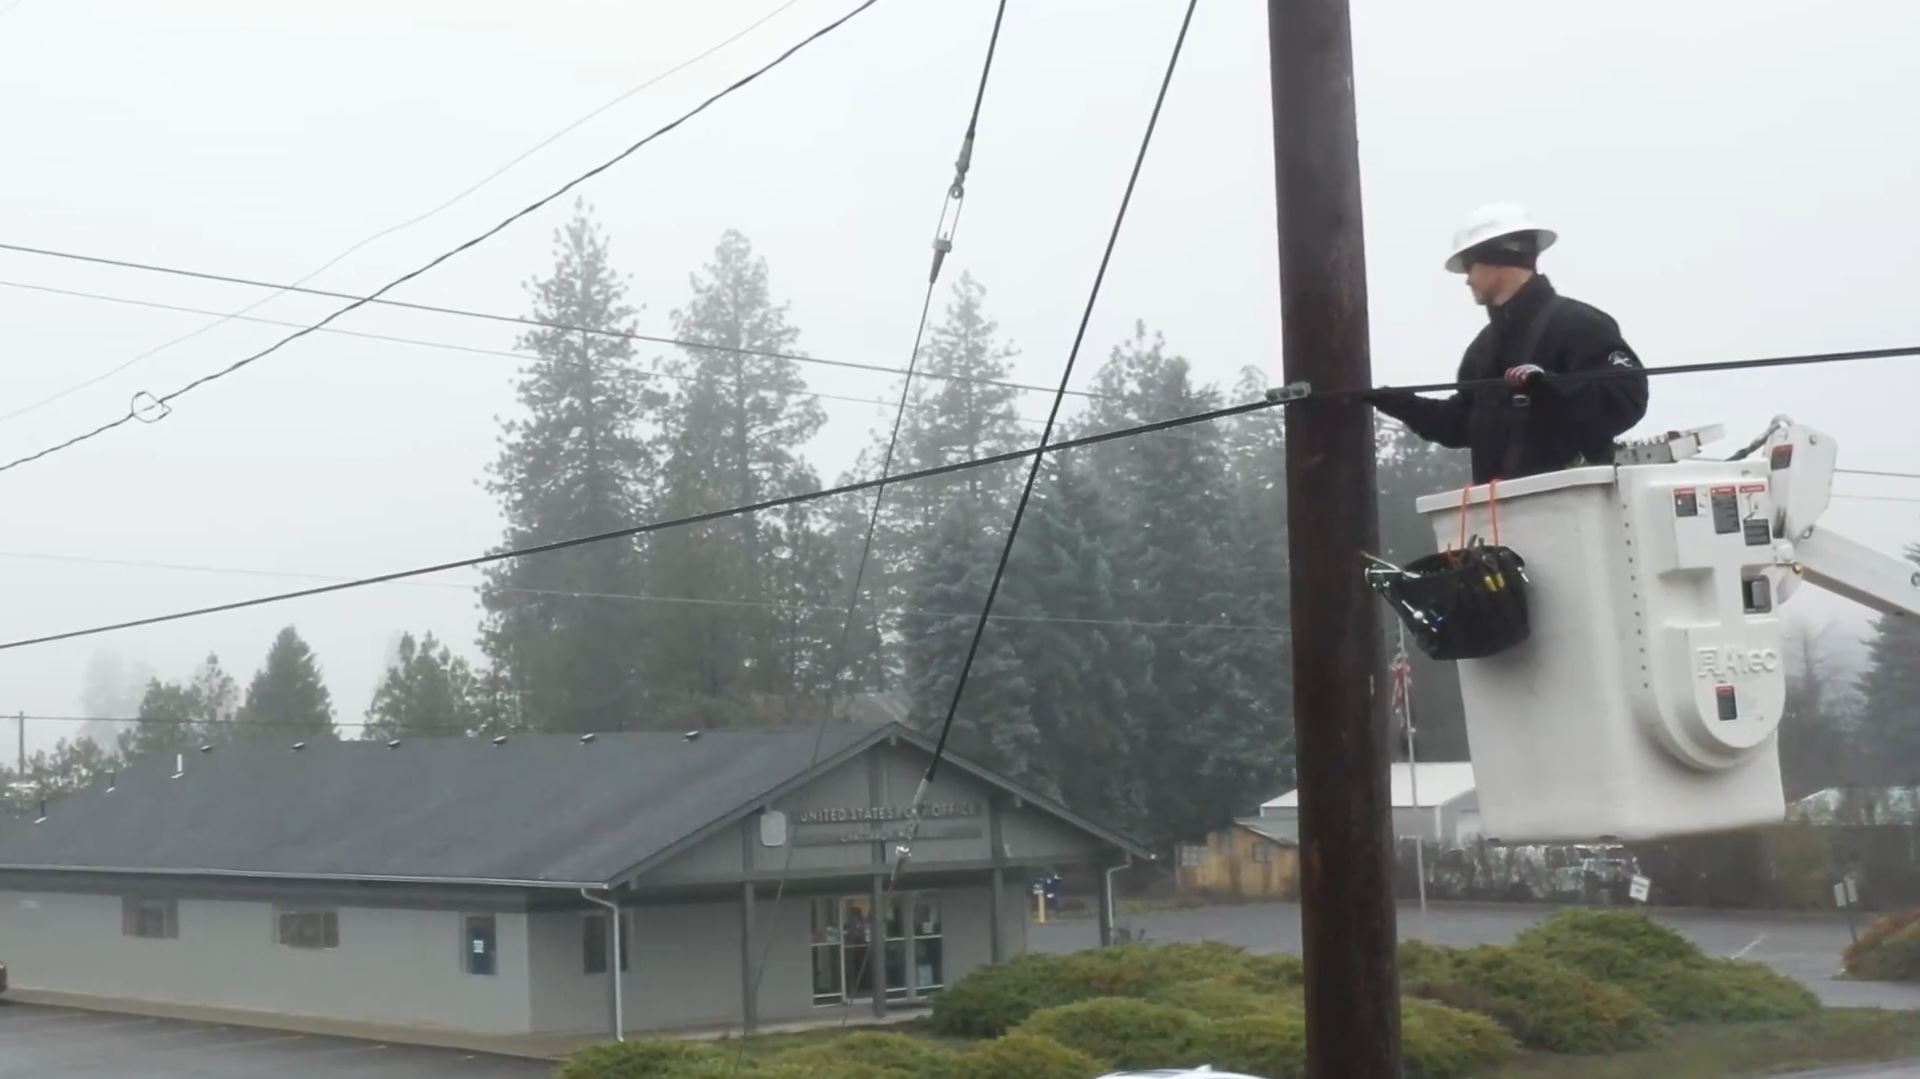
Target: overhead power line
634	597
221	318
1878	472
490	316
419	342
654	526
1053	413
163	402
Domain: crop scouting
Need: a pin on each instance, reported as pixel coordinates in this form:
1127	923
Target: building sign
885	824
881	814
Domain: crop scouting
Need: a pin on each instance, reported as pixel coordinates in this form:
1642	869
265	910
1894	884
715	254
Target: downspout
613	961
1106	892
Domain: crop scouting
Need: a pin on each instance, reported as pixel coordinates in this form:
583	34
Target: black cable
488	316
1877	472
166	399
1073	354
654	526
445	345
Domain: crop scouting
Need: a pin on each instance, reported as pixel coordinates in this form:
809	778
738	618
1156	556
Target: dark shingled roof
541	809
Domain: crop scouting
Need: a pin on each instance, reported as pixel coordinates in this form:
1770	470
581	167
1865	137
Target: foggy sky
1728	180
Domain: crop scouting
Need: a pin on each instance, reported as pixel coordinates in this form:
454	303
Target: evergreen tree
175	717
733	434
427	690
287	697
576	462
1890	697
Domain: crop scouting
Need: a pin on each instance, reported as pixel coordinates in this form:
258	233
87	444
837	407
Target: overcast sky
1729	180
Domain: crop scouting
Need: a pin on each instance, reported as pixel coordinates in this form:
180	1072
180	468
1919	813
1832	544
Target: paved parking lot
41	1041
1804	946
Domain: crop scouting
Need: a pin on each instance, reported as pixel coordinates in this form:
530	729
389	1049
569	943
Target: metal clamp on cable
1292	391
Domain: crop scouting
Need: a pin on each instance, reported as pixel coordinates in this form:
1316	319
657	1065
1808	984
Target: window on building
1262	852
593	942
825	950
1192	855
308	928
480	941
929	974
155	919
896	940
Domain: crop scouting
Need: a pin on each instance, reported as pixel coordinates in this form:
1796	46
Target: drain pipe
613	960
1106	899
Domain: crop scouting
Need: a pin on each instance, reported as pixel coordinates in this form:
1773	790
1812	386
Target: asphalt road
1804	946
37	1041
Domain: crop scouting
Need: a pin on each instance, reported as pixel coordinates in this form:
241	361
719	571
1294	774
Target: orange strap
1493	508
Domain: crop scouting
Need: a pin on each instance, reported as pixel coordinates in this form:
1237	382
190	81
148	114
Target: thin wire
223	317
943	234
697	601
448	346
165	400
655	526
1878	472
1879	498
1053	413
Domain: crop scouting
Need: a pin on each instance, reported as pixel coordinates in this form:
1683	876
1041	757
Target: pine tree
287	697
175	717
733	434
1890	697
576	462
427	690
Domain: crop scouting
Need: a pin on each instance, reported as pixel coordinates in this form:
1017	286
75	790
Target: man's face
1484	282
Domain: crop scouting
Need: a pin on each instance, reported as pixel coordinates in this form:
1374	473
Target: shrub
1273	1045
1889	951
1216	998
865	1055
1640	935
1278	975
1124	1032
1419	961
1438	1042
648	1058
1023	1056
1664	969
1544	1004
992	1000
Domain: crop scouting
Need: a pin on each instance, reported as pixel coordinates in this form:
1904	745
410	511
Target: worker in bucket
1561	383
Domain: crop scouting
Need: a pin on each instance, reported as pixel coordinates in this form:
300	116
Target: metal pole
20	773
1346	832
1413	784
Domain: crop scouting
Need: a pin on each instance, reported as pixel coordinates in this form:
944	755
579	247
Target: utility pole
1346	865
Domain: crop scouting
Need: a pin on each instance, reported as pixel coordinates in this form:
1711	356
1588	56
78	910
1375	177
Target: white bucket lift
1646	699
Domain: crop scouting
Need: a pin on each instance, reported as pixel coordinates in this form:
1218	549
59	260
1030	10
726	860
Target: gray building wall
393	965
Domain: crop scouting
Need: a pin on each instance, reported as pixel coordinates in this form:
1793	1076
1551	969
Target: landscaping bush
992	1000
1889	951
1124	1032
1273	1045
1276	975
1023	1056
1218	998
1544	1004
648	1058
864	1055
1420	961
1664	969
1438	1042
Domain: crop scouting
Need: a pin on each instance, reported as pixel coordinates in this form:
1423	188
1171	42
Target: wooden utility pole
1346	866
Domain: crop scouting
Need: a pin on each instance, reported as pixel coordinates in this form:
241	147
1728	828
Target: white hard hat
1491	222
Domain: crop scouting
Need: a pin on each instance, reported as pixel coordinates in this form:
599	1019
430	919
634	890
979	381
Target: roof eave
351	878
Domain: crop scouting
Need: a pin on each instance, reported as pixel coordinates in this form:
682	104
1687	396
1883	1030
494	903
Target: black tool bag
1465	604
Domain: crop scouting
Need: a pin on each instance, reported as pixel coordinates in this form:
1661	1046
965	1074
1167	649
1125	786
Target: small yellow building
1251	859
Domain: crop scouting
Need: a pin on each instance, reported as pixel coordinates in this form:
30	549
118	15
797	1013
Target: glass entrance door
845	935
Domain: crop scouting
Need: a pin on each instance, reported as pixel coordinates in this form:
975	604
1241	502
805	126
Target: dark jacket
1558	422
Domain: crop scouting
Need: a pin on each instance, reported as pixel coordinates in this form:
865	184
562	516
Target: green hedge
1219	998
865	1055
1023	1056
1889	951
648	1058
1124	1032
1273	1045
1544	1004
1633	952
1438	1042
992	1000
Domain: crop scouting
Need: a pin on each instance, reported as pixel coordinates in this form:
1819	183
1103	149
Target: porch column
877	947
749	995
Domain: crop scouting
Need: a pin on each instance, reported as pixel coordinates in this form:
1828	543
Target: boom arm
1859	573
1801	461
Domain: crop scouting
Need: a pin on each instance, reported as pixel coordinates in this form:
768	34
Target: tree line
1137	666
